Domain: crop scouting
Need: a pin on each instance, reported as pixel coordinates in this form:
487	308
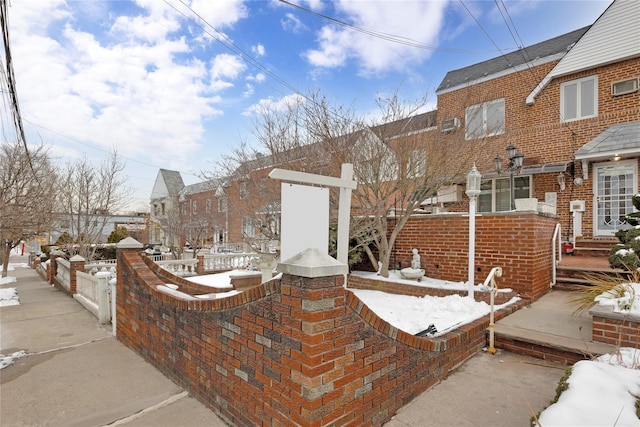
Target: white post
473	191
344	212
112	283
104	310
472	244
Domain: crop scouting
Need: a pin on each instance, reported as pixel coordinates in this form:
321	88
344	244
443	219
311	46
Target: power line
406	41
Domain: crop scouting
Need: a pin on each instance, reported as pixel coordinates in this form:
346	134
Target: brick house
570	105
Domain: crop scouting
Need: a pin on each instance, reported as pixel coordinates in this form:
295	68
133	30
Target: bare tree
27	192
88	194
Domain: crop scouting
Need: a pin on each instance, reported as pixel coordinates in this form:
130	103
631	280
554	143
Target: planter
529	204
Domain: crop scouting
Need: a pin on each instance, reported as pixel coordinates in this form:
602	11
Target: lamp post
514	166
473	191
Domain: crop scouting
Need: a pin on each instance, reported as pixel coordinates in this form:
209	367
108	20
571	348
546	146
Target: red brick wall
297	352
520	243
616	329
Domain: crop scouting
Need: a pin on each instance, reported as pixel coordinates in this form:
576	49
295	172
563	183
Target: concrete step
547	346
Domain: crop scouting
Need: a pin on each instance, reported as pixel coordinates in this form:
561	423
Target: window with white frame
244	190
194	207
247	227
416	164
222	204
495	194
208	206
579	99
485	119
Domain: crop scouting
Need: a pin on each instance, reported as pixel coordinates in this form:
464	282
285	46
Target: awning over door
616	142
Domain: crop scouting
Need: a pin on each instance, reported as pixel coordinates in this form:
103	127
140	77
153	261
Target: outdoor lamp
515	164
473	182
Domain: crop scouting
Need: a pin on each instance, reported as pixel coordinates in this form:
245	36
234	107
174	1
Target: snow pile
624	298
7	280
10	359
601	392
425	281
9	297
415	314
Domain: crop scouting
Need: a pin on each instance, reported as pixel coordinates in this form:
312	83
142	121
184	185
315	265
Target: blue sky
176	83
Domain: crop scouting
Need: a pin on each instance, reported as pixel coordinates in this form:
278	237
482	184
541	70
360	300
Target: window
194	207
247	227
208	206
244	190
495	194
184	209
222	204
417	164
485	119
579	99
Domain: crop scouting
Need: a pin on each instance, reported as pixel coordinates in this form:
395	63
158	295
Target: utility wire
384	36
9	75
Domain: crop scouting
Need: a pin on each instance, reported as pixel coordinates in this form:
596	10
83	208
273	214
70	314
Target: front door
614	184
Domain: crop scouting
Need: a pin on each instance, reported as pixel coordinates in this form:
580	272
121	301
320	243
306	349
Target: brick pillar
76	264
200	264
53	266
312	288
125	248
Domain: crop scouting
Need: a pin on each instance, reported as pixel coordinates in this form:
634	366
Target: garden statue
414	272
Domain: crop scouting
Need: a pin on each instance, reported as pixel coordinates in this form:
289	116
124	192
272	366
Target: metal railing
490	283
556	242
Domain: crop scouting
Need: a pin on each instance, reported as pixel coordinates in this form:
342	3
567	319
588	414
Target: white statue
415	261
415	272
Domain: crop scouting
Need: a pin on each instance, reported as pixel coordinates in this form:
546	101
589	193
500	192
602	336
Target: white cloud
258	78
293	24
144	92
258	50
226	66
271	104
419	21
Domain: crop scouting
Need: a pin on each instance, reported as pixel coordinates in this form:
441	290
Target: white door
614	184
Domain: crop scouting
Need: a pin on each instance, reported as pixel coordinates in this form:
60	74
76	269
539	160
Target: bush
624	258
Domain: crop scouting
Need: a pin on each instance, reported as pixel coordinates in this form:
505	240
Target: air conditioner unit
449	125
624	86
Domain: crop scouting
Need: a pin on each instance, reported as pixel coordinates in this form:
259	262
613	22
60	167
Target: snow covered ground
601	392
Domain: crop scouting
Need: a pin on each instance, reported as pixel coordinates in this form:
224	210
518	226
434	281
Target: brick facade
299	351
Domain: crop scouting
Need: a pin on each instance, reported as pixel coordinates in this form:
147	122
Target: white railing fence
94	293
63	273
229	261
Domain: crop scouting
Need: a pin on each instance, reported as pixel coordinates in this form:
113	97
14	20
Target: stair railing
490	283
555	241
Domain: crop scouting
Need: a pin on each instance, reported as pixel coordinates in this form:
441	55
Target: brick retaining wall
519	242
299	351
621	330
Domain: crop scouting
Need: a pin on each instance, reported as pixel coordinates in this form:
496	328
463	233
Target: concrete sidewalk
77	374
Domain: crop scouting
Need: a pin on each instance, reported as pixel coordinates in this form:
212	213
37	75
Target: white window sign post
346	183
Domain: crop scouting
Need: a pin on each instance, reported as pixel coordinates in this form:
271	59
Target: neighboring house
203	215
164	215
571	106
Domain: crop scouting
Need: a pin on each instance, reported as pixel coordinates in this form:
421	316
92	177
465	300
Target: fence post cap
129	243
76	258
